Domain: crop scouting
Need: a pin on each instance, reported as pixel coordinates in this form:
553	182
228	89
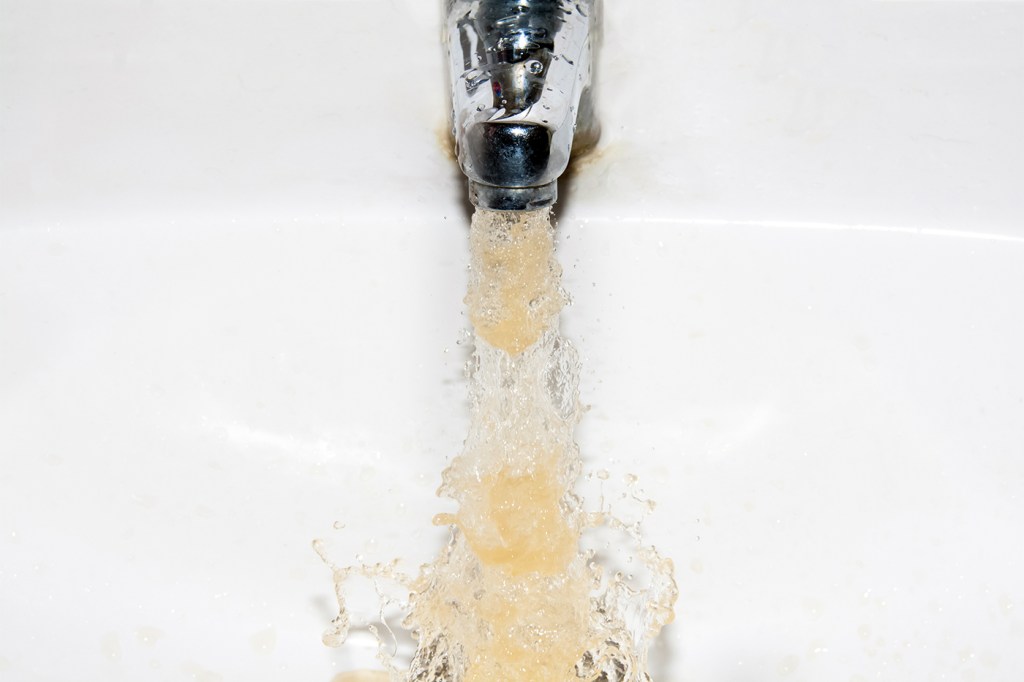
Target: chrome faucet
521	95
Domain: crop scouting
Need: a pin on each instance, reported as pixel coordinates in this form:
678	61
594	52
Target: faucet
520	76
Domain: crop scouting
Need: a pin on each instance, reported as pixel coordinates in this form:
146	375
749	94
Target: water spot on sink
264	641
816	648
143	500
148	636
989	659
788	665
813	606
110	646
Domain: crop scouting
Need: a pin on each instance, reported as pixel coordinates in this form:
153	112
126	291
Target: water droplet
788	665
148	635
474	78
264	641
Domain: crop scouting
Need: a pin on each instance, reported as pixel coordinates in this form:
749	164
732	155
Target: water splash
523	591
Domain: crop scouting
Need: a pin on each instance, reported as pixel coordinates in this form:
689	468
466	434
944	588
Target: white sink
232	257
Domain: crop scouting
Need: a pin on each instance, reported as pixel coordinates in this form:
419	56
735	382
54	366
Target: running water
516	596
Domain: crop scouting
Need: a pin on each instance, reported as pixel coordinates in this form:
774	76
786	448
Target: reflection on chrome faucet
521	95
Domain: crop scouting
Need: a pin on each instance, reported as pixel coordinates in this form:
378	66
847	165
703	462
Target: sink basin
232	258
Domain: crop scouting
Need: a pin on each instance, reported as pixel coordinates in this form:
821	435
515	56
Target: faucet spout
520	73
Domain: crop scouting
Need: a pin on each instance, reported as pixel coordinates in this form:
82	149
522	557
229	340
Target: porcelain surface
232	258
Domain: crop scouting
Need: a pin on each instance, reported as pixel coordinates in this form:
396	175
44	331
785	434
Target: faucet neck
520	75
